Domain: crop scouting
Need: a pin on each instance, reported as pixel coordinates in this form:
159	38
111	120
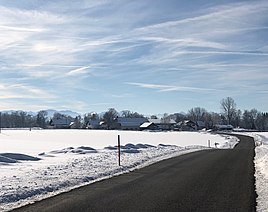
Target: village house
96	124
130	123
61	122
200	125
187	125
221	127
149	126
163	124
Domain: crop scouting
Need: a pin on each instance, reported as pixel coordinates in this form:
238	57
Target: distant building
148	126
187	125
130	123
155	121
221	127
61	122
161	124
96	124
200	125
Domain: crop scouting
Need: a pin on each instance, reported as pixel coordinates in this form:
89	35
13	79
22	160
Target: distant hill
13	111
50	112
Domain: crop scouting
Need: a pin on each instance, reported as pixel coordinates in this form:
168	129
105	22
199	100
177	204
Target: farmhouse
200	125
221	127
148	126
130	123
163	124
61	122
96	124
187	125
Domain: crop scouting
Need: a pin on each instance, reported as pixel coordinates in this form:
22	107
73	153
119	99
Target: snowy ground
261	166
41	163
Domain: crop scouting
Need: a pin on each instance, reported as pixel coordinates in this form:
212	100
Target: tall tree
77	122
126	113
41	119
261	121
94	116
129	114
109	117
197	114
179	117
228	107
238	116
166	118
153	117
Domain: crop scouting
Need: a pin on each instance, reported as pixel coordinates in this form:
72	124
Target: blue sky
150	56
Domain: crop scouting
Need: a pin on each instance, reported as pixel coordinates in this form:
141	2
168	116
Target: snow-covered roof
131	121
94	122
222	126
155	121
172	121
61	121
200	123
160	121
146	124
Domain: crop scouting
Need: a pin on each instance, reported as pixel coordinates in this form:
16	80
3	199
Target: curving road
210	180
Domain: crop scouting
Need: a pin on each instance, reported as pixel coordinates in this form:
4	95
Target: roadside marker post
0	121
119	150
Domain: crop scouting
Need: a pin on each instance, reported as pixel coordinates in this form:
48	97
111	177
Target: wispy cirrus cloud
169	88
77	49
23	29
22	91
234	14
79	71
216	27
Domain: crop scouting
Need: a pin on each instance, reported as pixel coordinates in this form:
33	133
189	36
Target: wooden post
119	150
0	121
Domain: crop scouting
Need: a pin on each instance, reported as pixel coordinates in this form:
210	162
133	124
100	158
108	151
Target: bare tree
197	114
89	117
238	117
228	107
166	118
129	114
261	121
250	118
179	117
253	116
77	122
154	117
109	117
41	119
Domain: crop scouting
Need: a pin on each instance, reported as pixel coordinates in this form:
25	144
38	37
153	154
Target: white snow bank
17	156
32	181
4	159
78	150
261	166
73	158
37	141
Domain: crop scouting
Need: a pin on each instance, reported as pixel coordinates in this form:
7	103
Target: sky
153	56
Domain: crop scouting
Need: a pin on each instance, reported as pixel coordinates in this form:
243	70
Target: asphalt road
210	180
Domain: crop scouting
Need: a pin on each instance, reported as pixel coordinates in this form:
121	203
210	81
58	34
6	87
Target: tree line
230	115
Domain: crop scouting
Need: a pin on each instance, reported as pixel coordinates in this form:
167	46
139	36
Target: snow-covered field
261	166
41	163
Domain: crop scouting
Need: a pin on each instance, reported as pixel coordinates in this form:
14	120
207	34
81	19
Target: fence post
119	150
0	121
